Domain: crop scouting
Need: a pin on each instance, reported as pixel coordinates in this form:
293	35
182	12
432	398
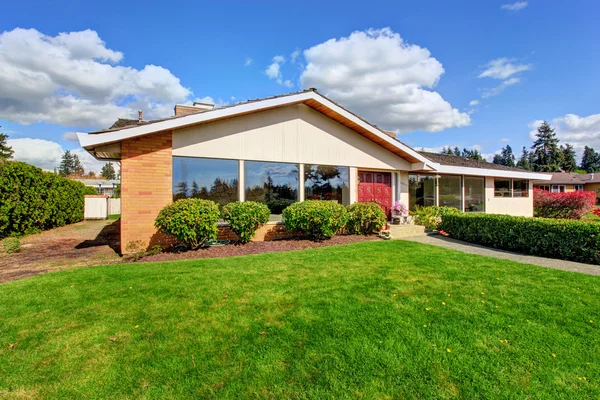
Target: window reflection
450	191
474	194
326	182
421	190
205	178
275	184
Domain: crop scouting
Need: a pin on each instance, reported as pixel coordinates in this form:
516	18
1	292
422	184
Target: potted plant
399	213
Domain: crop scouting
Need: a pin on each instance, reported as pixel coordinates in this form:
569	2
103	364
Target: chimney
196	108
140	116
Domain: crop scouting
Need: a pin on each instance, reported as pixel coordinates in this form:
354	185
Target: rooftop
456	161
570	178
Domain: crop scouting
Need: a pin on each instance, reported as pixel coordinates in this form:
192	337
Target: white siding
296	134
519	206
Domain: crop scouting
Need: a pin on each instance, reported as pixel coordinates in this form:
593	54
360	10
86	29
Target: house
570	182
103	186
289	148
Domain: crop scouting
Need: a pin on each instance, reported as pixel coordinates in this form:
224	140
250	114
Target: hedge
244	218
565	239
32	200
365	218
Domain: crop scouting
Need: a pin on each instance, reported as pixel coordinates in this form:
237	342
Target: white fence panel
96	207
114	206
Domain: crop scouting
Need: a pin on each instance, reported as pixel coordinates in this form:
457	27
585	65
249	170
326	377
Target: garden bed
273	246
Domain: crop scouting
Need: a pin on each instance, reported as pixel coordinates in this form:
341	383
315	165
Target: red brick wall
146	187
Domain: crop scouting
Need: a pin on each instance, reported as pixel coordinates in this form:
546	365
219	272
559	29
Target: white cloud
248	62
505	140
502	68
72	79
273	71
382	78
294	55
39	152
473	102
519	5
70	136
500	88
575	130
47	154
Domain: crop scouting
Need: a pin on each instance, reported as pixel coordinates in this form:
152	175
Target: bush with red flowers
572	205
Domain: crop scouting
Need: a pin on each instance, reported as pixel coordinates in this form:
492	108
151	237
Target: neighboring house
570	182
103	186
290	148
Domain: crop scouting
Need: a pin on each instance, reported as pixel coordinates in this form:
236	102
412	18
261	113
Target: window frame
523	193
510	188
558	187
578	188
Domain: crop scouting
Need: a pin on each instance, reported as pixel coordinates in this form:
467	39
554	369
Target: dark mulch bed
273	246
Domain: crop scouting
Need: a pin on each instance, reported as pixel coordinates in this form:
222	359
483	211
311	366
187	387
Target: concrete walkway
453	244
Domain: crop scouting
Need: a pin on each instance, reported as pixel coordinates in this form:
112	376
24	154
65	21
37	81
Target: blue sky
413	67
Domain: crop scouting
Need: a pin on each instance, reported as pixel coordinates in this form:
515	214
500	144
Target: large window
450	191
520	188
205	178
275	184
421	190
326	182
474	194
558	188
578	188
502	188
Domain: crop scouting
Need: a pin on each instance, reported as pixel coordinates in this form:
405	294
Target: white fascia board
88	141
448	169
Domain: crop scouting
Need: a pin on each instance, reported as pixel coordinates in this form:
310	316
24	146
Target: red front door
377	187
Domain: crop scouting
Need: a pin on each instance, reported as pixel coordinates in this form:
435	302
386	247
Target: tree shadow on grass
109	236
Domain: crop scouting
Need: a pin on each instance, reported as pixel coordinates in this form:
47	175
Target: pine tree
498	159
523	162
456	151
70	165
590	161
6	152
182	190
507	156
78	169
195	189
547	155
108	171
568	158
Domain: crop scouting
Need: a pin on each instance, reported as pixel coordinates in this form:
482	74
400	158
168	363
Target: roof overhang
449	169
94	143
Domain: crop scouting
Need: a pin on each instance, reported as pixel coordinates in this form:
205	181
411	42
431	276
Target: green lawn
369	320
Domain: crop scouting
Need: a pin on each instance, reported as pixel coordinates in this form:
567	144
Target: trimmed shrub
191	221
277	206
572	205
365	218
564	239
244	218
431	217
317	219
11	245
32	200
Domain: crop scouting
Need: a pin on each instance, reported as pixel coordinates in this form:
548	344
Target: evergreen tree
472	154
590	161
77	166
498	159
108	171
507	156
182	190
547	155
6	152
523	162
91	175
66	164
456	151
195	189
568	158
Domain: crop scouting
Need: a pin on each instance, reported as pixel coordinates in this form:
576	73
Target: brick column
146	187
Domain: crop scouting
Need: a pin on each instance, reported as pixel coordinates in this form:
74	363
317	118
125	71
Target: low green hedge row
565	239
32	200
